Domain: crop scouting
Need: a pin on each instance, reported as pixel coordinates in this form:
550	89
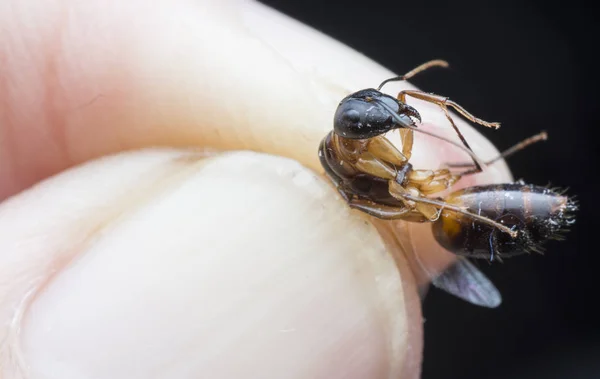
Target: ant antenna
408	126
415	71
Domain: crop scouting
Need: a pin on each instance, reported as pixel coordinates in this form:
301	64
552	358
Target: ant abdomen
536	213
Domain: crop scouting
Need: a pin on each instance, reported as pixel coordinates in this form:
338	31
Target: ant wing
466	282
462	279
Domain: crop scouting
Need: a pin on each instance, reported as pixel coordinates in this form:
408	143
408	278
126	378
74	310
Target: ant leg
542	136
428	182
371	164
383	149
415	71
443	205
383	212
492	246
398	191
414	128
443	103
407	138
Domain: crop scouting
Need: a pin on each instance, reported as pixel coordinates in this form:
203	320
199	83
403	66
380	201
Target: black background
532	66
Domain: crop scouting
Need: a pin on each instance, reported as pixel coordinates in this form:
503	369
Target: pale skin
159	262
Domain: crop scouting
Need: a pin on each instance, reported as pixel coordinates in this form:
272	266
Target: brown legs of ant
542	136
415	71
416	201
382	148
400	192
371	164
407	138
428	182
376	156
444	103
384	212
416	209
377	210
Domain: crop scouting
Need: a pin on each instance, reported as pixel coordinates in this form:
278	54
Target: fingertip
238	264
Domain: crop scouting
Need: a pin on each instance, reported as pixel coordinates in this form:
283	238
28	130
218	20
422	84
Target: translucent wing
466	282
462	279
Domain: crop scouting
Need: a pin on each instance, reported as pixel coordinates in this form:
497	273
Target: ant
375	177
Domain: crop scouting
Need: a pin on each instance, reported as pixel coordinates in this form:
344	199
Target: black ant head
369	113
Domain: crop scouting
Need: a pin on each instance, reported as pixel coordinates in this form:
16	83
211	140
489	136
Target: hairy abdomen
537	213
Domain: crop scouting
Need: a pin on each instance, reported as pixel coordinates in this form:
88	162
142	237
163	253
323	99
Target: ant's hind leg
443	205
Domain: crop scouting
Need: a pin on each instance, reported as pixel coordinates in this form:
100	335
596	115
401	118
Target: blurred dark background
531	65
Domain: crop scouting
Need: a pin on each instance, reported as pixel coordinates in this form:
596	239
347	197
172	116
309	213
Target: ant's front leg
370	164
381	148
444	103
